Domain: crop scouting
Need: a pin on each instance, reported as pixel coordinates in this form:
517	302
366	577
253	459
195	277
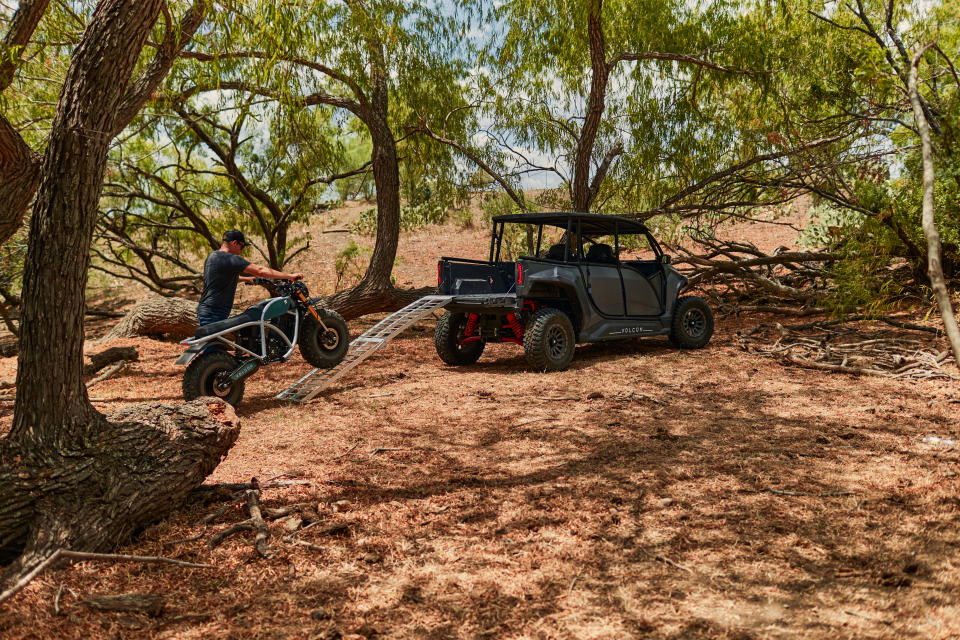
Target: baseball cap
234	235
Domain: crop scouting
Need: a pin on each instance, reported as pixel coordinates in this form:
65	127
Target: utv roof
592	223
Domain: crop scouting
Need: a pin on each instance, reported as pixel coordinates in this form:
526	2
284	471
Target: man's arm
267	272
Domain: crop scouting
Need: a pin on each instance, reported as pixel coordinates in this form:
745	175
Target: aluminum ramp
362	347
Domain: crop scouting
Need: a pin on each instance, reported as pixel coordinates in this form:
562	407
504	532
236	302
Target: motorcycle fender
187	356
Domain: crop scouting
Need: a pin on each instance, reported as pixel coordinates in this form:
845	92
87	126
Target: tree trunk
126	472
51	396
155	316
930	232
581	193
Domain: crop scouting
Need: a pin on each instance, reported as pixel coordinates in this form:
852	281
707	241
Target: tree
599	88
366	63
68	478
250	165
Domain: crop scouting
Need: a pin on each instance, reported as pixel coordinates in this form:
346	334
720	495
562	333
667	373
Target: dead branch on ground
738	271
834	346
65	554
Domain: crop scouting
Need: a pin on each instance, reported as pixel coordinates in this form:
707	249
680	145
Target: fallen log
157	316
109	356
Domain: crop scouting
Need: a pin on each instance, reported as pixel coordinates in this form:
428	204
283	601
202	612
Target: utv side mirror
665	259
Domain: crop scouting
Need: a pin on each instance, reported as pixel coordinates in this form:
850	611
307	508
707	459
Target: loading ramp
362	347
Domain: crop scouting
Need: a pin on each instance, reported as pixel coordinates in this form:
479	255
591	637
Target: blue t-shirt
221	272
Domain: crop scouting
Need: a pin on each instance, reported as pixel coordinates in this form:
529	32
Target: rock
823	440
372	558
665	502
341	505
594	395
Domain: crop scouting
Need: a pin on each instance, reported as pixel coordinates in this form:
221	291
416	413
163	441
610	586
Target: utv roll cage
591	224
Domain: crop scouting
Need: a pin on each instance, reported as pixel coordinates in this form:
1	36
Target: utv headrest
601	253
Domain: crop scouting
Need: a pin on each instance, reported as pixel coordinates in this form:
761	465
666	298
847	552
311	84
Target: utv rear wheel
448	339
549	340
209	375
692	324
324	348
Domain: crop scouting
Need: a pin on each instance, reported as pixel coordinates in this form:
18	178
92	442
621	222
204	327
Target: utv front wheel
692	324
209	375
324	348
448	339
549	340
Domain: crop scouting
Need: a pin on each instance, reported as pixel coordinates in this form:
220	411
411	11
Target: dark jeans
208	317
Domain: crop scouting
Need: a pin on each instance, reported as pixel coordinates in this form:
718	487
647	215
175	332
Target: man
221	273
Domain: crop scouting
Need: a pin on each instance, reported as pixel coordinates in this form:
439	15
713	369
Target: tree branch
143	87
22	26
681	57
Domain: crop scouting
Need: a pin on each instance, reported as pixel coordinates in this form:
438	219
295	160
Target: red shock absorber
516	325
472	321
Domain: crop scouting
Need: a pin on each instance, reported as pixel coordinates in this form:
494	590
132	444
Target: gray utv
575	288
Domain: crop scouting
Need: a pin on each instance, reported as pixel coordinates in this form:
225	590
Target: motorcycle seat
251	314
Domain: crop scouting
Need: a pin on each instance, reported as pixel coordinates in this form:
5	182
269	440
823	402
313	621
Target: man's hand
246	280
296	276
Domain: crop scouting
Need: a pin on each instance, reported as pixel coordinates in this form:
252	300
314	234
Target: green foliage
827	225
349	265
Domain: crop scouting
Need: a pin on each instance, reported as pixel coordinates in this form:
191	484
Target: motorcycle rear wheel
208	375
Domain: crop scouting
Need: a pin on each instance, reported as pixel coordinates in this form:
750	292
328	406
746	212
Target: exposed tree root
106	481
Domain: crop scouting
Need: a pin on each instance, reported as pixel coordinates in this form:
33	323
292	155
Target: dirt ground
643	493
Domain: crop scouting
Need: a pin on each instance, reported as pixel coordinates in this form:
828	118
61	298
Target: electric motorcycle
222	355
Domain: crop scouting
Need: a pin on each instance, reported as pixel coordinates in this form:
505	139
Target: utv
578	286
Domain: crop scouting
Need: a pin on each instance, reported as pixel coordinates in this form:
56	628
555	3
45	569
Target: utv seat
602	253
251	314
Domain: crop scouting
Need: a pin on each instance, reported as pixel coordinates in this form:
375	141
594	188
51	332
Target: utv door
604	287
643	287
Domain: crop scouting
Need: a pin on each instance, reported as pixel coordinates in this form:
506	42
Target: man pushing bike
222	271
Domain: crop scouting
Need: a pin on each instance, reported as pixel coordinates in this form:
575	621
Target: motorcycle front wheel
324	348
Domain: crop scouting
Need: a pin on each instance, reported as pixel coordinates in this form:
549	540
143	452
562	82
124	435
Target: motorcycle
265	333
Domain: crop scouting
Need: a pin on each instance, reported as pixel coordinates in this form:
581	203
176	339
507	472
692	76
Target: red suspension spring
472	321
515	324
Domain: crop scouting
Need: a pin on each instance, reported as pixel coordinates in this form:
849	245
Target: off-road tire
324	349
692	324
446	338
202	372
549	340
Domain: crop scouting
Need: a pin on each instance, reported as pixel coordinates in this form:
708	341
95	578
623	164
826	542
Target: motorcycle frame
265	327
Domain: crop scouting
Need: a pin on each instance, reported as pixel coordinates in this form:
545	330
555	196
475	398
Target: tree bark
22	25
51	397
126	472
930	232
19	178
155	316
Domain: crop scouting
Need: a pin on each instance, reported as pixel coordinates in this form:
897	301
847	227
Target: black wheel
209	375
447	339
692	324
324	349
549	340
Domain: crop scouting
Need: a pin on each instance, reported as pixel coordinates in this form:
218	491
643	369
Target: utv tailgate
480	303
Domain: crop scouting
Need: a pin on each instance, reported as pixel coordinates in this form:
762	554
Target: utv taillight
439	276
519	274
